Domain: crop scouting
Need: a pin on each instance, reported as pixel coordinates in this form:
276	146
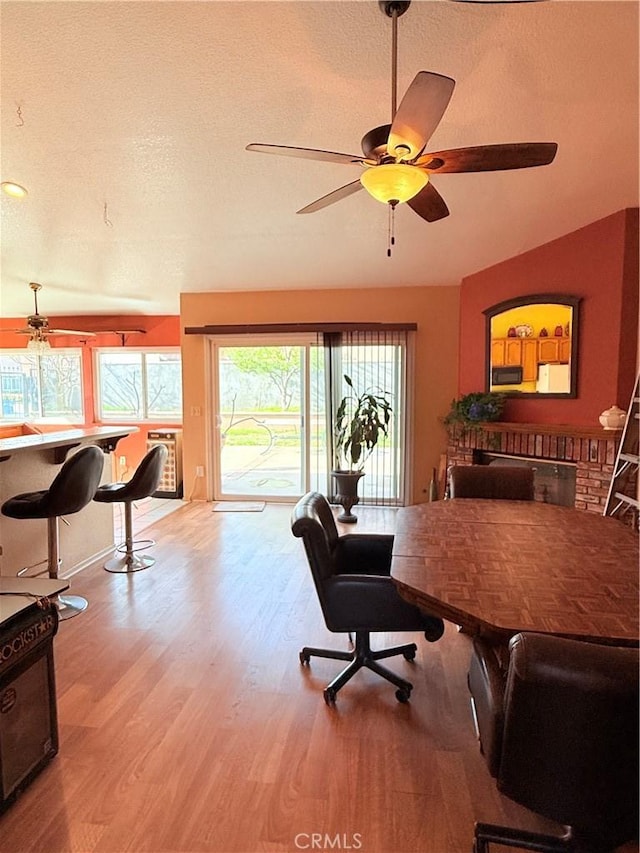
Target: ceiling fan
38	326
397	168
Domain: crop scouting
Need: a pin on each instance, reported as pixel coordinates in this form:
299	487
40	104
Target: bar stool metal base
70	605
129	563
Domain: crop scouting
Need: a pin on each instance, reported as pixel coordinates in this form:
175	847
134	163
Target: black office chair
504	482
71	490
559	731
356	594
144	483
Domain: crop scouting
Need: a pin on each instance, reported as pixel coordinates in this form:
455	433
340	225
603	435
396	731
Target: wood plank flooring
187	723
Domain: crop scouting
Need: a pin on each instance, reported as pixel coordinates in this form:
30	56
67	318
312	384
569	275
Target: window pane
120	385
164	385
139	385
19	386
61	385
36	386
261	449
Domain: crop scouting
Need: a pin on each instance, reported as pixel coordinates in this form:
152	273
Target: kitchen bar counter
62	441
30	462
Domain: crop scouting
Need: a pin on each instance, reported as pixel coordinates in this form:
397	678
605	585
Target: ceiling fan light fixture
394	183
13	190
38	344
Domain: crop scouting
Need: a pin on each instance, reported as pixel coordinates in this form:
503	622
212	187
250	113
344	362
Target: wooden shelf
552	429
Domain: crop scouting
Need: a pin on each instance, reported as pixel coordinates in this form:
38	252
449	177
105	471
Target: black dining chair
559	732
352	578
501	482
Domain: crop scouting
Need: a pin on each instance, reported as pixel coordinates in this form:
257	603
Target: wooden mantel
591	432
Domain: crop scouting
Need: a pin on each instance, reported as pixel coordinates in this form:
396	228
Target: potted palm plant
359	422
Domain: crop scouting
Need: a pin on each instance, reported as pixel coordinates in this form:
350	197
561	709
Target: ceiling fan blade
306	153
489	158
47	331
332	197
429	204
76	332
419	113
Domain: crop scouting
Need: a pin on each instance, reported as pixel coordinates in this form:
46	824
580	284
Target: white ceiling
147	107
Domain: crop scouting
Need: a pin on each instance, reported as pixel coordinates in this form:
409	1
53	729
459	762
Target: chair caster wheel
330	696
410	654
403	695
433	633
304	657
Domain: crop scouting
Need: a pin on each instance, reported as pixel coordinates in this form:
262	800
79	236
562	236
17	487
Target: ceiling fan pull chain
391	240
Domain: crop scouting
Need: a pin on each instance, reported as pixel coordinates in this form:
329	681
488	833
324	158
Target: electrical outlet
199	470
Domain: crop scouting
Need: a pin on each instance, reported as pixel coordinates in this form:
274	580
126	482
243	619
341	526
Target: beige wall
434	309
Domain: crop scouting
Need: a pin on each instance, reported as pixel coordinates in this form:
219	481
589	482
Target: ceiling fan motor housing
37	321
374	143
391	6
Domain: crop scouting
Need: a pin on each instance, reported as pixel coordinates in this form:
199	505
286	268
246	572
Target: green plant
473	409
359	422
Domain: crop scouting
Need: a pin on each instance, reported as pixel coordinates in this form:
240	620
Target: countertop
63	438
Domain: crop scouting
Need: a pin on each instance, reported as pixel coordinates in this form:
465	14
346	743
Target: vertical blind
376	362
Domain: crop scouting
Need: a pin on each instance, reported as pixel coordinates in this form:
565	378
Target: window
41	386
138	385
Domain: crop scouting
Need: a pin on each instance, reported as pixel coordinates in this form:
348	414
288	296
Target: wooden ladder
623	490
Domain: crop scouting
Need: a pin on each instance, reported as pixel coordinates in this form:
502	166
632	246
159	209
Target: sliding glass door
274	397
270	438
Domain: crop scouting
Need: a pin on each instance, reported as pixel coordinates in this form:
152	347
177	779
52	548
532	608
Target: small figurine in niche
544	333
558	331
512	332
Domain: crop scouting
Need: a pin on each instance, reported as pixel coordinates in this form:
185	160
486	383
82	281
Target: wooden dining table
496	567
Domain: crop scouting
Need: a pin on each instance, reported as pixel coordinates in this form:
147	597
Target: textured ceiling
147	108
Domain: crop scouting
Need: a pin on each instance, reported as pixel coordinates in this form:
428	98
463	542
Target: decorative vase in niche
558	332
347	493
613	418
543	333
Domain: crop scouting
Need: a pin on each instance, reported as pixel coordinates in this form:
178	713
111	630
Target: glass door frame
304	341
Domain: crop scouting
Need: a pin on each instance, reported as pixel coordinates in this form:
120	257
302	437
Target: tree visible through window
139	385
39	386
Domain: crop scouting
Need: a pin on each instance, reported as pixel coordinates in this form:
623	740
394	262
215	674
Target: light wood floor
188	724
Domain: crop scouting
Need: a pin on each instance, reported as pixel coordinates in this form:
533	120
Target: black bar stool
72	489
144	483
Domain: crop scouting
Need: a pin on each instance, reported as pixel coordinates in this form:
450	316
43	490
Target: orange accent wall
598	263
434	309
160	331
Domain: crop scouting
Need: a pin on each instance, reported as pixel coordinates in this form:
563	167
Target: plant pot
347	493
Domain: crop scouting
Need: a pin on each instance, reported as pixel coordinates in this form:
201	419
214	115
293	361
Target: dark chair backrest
76	482
147	476
504	482
312	520
570	739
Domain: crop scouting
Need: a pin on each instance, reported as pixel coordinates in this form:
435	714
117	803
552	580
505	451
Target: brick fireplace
591	451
